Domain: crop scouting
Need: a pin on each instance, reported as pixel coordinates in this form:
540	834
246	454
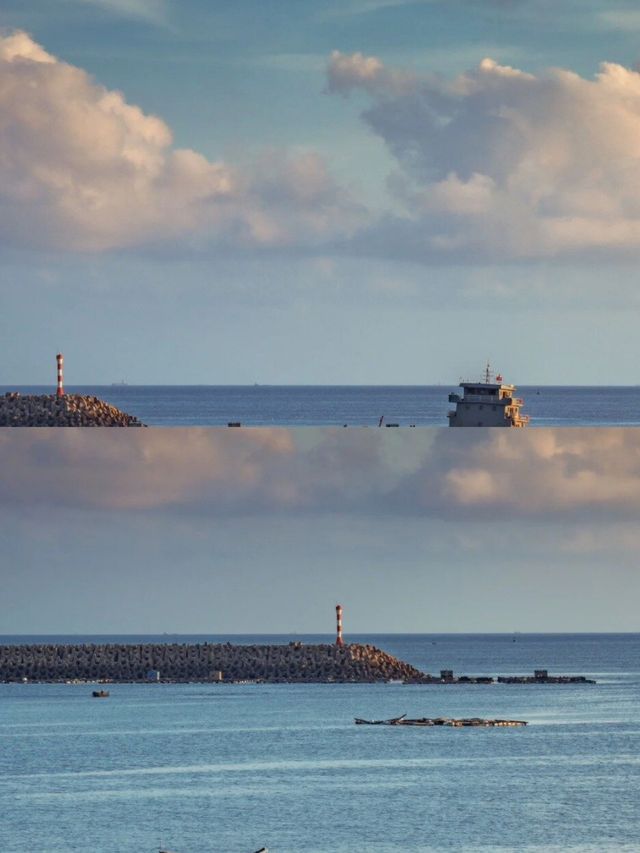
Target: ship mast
487	373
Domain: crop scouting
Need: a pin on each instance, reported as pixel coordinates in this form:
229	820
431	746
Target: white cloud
346	72
501	164
82	169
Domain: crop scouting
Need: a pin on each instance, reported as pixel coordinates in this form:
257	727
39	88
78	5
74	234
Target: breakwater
203	662
200	662
69	410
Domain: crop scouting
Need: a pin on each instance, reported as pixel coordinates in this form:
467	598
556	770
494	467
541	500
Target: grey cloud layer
542	473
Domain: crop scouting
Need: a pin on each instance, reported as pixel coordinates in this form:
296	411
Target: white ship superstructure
487	403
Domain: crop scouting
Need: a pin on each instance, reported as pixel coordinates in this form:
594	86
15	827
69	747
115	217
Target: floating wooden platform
540	676
440	721
545	679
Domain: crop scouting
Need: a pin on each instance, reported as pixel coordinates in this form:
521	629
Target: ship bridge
488	402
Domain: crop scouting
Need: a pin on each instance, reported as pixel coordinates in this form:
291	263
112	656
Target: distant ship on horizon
487	403
119	384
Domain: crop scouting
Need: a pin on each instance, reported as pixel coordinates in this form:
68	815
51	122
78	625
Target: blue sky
323	227
265	530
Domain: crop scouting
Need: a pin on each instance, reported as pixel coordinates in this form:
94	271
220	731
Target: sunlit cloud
81	169
501	164
495	165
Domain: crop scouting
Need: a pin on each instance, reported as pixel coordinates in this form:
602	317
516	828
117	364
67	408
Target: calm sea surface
231	768
360	405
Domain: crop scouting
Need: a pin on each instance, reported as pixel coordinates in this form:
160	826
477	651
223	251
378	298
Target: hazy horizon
331	636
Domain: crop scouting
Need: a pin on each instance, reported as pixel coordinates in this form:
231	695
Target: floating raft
540	676
440	721
544	679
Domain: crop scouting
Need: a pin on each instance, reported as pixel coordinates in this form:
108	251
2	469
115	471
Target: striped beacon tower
339	640
60	388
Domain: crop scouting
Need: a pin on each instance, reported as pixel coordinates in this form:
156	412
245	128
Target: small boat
100	694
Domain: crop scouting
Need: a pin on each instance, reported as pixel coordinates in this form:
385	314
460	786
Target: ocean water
232	768
288	405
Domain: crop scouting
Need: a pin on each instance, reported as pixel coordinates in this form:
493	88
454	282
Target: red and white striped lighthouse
60	389
339	640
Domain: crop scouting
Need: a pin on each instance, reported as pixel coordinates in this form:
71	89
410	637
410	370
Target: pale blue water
288	405
229	768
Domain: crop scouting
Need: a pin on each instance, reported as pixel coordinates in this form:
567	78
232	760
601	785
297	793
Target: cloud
347	72
536	473
495	165
215	471
158	469
499	164
456	475
81	169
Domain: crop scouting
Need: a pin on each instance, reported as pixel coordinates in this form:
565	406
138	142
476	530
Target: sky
265	530
362	191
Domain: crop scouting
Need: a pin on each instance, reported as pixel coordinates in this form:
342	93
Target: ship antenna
487	373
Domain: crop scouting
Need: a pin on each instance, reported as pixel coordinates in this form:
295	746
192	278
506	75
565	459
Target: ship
487	403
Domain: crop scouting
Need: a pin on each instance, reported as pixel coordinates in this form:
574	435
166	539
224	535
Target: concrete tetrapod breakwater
203	662
69	410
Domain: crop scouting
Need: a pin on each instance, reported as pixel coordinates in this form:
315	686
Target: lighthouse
339	640
60	388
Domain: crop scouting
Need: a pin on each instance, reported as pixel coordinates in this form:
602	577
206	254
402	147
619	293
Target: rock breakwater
295	662
70	410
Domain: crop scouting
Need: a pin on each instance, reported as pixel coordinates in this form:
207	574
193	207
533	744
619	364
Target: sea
233	768
348	405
